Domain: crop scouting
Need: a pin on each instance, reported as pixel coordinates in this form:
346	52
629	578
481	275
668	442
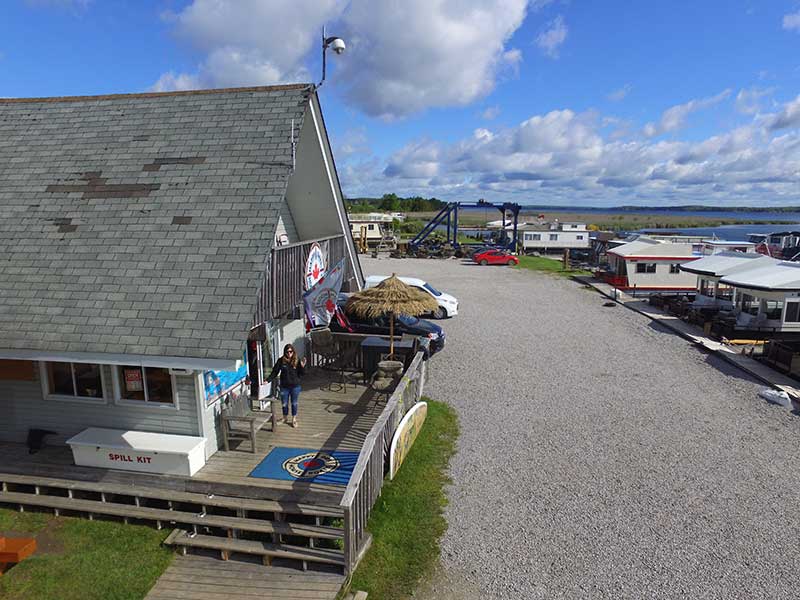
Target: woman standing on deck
291	370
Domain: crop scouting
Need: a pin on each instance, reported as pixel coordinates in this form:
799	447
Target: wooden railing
346	342
779	355
367	480
283	279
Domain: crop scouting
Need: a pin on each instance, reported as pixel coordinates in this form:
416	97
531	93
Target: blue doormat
305	464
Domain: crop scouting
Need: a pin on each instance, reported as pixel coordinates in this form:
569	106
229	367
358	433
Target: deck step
170	516
183	539
230	502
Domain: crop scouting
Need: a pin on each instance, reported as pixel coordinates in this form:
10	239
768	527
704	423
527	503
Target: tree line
394	203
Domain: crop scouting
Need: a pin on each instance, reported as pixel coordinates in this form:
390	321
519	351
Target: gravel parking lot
600	455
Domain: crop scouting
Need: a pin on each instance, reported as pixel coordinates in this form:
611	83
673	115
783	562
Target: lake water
765	220
767	217
735	233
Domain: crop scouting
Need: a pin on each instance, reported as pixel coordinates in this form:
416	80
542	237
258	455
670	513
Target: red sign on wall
133	380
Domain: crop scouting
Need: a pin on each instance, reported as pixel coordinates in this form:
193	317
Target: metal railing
367	480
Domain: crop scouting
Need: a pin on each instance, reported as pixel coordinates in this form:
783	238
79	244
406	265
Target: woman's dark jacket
290	376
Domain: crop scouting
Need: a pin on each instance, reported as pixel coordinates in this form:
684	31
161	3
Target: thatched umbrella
391	296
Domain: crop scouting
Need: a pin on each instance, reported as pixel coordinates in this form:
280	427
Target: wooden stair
268	551
227	524
203	500
160	515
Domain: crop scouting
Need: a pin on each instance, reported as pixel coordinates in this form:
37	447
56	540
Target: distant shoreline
659	209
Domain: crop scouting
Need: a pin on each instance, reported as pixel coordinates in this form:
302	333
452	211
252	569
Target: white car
448	305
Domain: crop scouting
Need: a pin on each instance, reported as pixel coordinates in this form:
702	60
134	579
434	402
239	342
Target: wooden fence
367	480
283	279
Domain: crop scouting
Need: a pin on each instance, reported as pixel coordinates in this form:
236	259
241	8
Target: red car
495	257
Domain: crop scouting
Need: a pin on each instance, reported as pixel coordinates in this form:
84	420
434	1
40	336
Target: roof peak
266	88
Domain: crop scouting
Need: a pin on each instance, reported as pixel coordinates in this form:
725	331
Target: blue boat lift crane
447	218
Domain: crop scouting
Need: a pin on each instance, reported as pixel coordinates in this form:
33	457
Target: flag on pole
320	300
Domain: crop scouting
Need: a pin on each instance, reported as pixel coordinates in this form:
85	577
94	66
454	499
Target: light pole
334	43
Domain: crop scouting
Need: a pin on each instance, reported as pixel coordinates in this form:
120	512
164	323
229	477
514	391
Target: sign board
138	451
405	435
219	383
320	300
133	380
315	266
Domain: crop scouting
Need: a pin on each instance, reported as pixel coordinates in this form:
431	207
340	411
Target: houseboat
766	301
780	244
373	229
646	265
555	236
711	269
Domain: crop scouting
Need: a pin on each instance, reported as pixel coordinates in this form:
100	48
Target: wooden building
144	239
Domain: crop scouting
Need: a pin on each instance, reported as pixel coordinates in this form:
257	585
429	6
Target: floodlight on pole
334	43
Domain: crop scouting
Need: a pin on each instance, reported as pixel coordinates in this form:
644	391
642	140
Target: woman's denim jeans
293	393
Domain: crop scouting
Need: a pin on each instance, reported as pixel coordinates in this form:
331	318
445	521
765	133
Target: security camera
337	45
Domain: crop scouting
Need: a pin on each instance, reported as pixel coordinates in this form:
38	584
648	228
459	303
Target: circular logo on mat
310	465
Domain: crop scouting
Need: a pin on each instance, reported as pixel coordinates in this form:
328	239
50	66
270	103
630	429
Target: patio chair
334	356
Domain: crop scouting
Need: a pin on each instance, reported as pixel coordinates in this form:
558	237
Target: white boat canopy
727	263
781	276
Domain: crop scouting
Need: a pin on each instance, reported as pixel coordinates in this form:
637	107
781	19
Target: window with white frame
773	309
73	380
645	267
553	237
792	312
674	269
145	384
536	237
578	237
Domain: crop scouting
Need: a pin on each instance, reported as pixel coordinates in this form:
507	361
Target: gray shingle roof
140	224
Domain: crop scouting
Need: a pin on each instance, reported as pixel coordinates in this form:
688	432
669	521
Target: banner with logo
315	266
219	383
320	300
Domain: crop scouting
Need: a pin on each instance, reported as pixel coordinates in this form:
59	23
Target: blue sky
534	101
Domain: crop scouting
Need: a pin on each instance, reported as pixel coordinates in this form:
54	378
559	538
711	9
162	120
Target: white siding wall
22	407
566	239
661	278
288	332
286	224
212	429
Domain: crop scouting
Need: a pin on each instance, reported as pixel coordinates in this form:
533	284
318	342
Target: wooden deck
202	578
328	420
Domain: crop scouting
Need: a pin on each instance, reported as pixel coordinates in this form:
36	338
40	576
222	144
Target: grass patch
83	559
407	521
547	265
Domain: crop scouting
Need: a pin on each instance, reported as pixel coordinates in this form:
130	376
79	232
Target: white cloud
674	118
249	42
748	101
490	113
353	142
553	37
416	54
792	21
788	116
401	58
621	93
567	157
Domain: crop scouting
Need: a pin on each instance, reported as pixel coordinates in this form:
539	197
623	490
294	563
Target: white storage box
138	451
